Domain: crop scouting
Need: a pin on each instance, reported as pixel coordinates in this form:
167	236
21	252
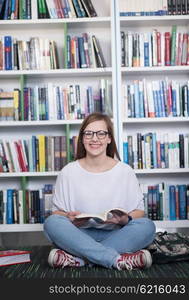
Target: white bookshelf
172	224
131	126
156	120
21	227
58	73
107	27
103	27
29	174
49	22
163	171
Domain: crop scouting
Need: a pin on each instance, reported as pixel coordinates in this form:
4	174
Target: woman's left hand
118	219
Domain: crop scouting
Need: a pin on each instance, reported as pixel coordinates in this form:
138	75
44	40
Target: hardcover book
10	257
100	61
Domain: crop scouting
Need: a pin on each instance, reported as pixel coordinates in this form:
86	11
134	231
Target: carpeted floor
38	268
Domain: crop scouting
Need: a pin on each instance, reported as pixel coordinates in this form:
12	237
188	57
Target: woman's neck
97	164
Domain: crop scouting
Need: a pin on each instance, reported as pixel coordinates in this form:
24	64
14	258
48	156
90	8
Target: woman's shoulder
69	167
125	167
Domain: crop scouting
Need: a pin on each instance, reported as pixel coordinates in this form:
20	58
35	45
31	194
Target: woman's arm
124	219
60	212
136	213
71	214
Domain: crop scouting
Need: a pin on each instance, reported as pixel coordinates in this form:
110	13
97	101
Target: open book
103	216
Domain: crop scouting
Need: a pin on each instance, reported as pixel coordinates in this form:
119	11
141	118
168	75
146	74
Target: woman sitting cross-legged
95	182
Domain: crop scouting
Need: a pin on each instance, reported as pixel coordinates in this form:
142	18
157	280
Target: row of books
154	8
19	206
157	150
15	9
41	53
58	9
52	102
165	201
157	98
162	201
34	54
35	154
154	49
84	52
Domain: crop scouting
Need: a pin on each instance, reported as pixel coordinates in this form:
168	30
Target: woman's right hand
72	214
80	222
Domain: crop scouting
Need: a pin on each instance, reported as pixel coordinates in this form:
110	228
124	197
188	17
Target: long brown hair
111	148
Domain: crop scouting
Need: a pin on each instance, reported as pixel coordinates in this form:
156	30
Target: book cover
89	8
71	10
2	4
9	207
10	257
184	7
172	202
99	54
8	52
167	48
77	8
57	153
173	45
182	202
82	9
82	57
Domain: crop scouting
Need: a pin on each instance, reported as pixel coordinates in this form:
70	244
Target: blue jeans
99	246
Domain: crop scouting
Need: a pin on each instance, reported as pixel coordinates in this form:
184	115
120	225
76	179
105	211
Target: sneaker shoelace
130	261
63	259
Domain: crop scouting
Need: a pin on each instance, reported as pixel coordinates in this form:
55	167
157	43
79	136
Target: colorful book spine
8	52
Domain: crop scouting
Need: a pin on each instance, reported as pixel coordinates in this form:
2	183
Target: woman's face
96	138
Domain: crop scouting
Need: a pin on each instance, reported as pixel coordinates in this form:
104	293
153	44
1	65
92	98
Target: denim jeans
99	246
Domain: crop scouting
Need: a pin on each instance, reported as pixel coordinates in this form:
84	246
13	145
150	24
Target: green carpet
39	269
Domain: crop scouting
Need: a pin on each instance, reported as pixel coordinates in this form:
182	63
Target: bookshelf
130	125
56	29
106	26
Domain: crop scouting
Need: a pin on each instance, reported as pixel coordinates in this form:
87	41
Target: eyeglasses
101	134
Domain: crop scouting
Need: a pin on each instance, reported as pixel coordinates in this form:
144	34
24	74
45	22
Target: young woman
95	182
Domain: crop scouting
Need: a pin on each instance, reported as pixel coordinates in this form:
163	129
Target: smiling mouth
95	145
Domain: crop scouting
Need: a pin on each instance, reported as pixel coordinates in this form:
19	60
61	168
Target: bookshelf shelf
172	224
156	120
153	20
21	227
39	227
39	123
29	174
156	70
58	72
162	171
50	22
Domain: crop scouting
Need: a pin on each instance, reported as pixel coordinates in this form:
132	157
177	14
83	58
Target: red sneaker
140	259
59	258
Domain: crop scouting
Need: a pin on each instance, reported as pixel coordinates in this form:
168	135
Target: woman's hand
72	214
118	218
77	222
80	222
